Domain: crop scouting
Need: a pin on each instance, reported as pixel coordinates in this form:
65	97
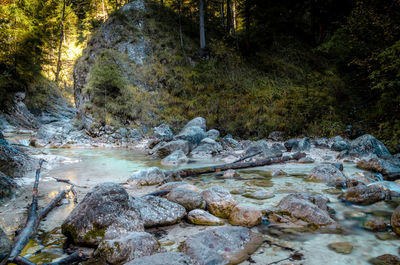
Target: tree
202	29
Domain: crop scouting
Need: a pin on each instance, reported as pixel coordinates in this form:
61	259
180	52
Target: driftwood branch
69	182
211	169
247	157
74	258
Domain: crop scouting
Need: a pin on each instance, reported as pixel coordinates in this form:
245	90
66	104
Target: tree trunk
202	29
223	15
60	46
228	17
247	23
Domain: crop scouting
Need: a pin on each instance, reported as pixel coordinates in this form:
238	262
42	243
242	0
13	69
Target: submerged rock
373	224
259	195
201	217
172	185
187	198
386	259
363	194
245	216
389	170
219	201
175	159
170	258
231	174
5	245
223	245
326	173
341	247
163	133
199	122
128	247
395	220
156	211
146	177
104	213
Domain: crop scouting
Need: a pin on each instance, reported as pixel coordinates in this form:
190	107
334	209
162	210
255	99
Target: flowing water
88	167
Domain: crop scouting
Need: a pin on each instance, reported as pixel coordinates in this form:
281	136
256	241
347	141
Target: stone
395	220
219	201
172	185
175	159
192	134
362	194
133	135
259	195
222	245
156	211
201	217
259	146
231	174
341	247
298	145
213	134
163	132
245	216
366	145
7	186
306	160
386	259
327	173
199	122
5	245
389	170
147	177
338	166
321	143
339	144
104	213
164	149
278	148
230	144
187	198
206	149
170	258
376	225
128	247
276	136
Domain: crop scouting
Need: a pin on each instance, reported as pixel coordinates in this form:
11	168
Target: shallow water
88	167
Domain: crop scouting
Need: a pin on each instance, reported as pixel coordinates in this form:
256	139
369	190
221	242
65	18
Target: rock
201	217
386	259
363	194
198	122
104	213
156	211
395	220
276	136
341	247
295	145
366	145
245	216
187	198
259	146
163	149
206	149
326	173
338	166
175	159
163	132
230	144
134	135
222	245
128	247
5	245
339	144
278	148
213	134
231	174
321	143
7	186
389	170
306	160
172	185
259	195
308	209
219	201
147	177
376	225
192	134
170	258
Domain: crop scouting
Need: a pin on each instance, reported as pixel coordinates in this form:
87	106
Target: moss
94	234
69	231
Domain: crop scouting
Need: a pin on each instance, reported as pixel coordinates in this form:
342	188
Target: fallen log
257	153
211	169
61	195
69	182
74	258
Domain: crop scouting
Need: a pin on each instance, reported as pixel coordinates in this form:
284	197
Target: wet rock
230	144
376	225
198	122
245	216
7	186
339	144
206	149
133	135
223	245
156	211
175	159
341	247
389	170
306	160
128	247
259	146
163	132
192	134
5	245
296	145
326	173
278	148
259	195
386	259
13	162
276	136
187	198
231	174
363	194
219	201
164	149
172	185
366	145
338	165
170	258
395	220
104	213
18	114
321	143
213	134
201	217
147	177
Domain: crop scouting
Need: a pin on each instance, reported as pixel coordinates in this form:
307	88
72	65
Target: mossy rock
341	247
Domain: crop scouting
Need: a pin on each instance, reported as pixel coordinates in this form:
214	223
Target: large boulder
170	258
201	217
219	201
5	245
199	122
128	247
229	143
192	134
187	198
7	186
163	133
206	149
321	143
339	144
389	170
327	173
362	194
395	220
213	134
366	145
298	145
13	162
222	245
245	216
156	211
147	177
163	149
261	146
175	159
104	213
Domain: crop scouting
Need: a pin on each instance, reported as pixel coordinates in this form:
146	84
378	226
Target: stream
88	167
